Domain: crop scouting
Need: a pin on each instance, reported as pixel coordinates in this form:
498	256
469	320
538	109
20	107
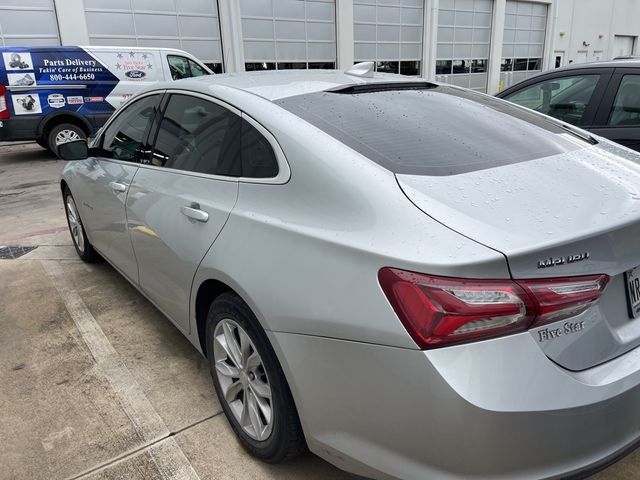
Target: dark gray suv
602	97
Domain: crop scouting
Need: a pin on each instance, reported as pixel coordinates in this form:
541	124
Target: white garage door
190	25
464	33
283	34
523	44
28	23
389	33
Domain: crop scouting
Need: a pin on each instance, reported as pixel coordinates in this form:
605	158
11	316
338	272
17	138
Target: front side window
183	67
123	138
565	98
626	106
198	136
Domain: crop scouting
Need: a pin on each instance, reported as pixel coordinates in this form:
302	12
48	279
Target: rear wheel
250	384
63	133
84	249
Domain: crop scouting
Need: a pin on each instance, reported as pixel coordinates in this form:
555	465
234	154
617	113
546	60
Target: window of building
389	33
464	34
285	34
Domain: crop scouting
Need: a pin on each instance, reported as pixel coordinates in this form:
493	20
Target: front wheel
84	249
250	384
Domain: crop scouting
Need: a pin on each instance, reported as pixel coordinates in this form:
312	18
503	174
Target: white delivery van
56	94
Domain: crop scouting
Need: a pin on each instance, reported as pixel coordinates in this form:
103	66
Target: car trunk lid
575	213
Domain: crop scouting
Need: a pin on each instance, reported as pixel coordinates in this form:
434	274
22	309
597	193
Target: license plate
632	279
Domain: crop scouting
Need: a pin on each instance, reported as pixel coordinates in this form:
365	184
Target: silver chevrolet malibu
412	280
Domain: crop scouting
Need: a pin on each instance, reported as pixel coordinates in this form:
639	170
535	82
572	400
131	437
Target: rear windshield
432	131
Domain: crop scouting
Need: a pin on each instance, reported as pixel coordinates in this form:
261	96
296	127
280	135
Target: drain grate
12	252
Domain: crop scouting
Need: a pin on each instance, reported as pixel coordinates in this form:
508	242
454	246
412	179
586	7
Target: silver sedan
412	280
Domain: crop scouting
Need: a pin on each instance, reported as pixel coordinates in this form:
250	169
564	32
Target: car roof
277	84
620	63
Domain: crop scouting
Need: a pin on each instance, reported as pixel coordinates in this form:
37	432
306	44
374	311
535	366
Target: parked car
413	280
601	97
56	94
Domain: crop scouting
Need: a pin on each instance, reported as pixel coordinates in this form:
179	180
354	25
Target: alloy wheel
74	224
67	135
243	379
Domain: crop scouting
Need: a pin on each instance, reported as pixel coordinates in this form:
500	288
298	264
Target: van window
198	136
183	67
123	138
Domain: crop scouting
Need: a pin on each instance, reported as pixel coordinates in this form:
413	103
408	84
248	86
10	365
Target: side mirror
75	150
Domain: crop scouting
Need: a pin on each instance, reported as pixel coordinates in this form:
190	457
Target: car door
572	96
180	200
108	176
618	117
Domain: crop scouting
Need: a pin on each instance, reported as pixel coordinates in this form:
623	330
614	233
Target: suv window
123	138
626	106
183	67
565	98
198	136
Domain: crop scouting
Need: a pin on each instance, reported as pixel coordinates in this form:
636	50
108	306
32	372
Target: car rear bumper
494	409
19	128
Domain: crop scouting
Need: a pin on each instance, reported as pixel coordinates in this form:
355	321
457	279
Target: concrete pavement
94	381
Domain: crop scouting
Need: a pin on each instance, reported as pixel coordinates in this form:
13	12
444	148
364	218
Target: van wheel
42	142
63	133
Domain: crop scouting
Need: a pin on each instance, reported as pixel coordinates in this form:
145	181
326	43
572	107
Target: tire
282	438
63	132
83	247
43	143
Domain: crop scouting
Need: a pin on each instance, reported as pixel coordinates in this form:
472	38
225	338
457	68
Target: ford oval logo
135	74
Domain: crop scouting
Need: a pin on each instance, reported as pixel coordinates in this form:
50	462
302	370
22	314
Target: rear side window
564	98
439	130
123	138
258	158
626	107
183	67
198	136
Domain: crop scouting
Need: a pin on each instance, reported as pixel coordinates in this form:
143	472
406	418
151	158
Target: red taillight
439	311
560	298
4	103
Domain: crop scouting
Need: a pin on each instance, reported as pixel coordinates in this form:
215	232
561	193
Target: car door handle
193	211
118	187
